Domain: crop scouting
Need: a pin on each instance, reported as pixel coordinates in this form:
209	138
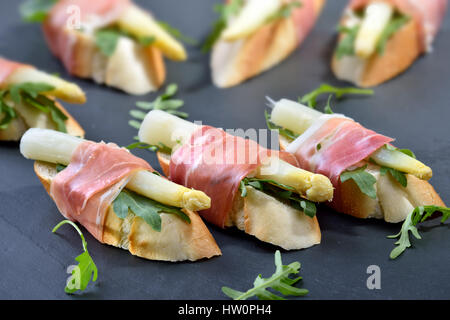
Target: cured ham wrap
259	35
372	178
379	39
119	198
28	100
113	42
259	191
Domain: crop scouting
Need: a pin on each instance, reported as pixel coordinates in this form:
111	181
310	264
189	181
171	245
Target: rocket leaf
279	281
86	269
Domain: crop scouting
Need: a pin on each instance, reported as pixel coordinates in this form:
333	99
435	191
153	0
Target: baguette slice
234	62
402	49
393	202
177	240
267	219
132	68
19	126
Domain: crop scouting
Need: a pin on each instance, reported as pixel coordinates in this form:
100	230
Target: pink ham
215	162
333	144
7	67
95	176
61	18
428	14
304	18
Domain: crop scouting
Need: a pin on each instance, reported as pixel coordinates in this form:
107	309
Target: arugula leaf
36	10
327	108
311	98
285	11
177	33
279	281
393	26
146	41
225	11
163	102
7	114
31	93
408	153
86	266
397	175
284	132
419	214
346	46
145	208
152	147
281	192
364	180
106	41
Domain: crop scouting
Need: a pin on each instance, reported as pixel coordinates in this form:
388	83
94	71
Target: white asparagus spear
162	127
57	147
159	126
298	118
253	15
140	23
376	18
64	90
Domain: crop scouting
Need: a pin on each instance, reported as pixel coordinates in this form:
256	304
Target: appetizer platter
178	253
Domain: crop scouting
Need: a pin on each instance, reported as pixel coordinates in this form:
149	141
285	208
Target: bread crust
393	202
177	240
402	49
267	219
233	63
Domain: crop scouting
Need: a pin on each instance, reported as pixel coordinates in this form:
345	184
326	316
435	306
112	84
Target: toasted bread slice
267	219
393	202
132	68
177	240
402	49
24	121
234	62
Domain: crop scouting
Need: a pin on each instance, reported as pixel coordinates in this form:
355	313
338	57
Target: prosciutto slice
333	144
428	14
7	67
304	18
215	162
62	18
94	178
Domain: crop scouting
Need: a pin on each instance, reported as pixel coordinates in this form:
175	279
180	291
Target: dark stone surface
414	108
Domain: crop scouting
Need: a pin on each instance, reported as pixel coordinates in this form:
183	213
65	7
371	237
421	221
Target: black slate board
414	108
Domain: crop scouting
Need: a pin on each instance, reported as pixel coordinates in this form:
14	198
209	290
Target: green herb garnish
346	46
177	33
161	147
163	102
86	269
419	214
311	98
36	10
146	208
393	26
364	180
285	11
225	11
327	108
279	281
106	39
281	192
7	113
31	94
284	132
397	175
